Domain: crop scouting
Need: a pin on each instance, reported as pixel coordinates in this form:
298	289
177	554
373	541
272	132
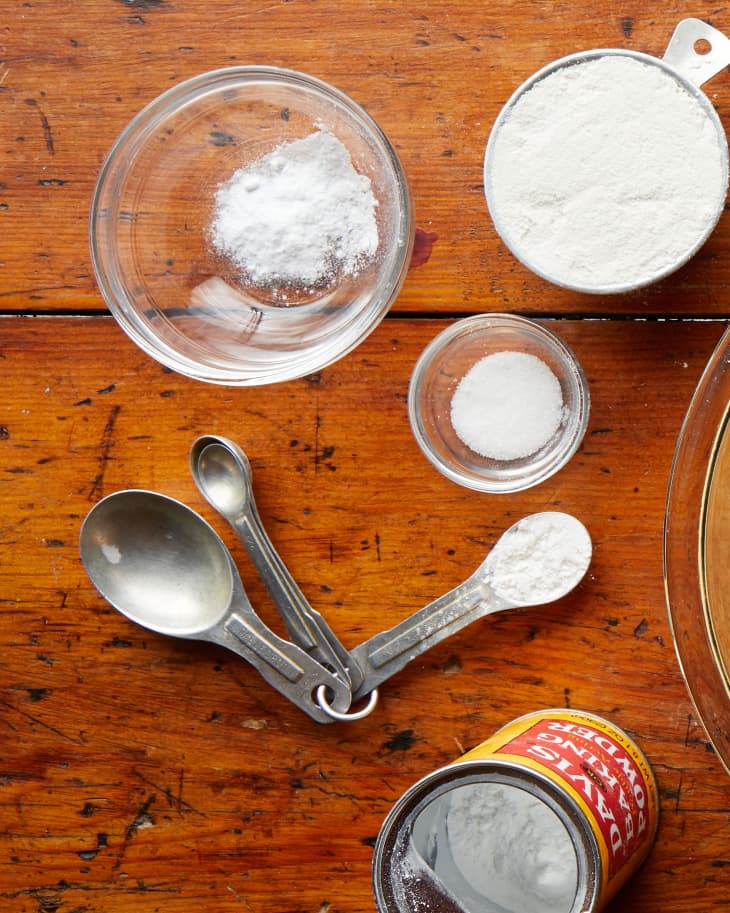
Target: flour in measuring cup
606	172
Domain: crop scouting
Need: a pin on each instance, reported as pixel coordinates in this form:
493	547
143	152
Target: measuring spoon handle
306	627
284	665
388	652
282	588
222	472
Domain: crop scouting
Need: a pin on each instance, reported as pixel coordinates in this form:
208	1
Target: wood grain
142	773
434	77
139	770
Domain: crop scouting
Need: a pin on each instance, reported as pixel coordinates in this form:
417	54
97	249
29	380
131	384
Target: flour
607	172
507	406
301	215
540	558
510	848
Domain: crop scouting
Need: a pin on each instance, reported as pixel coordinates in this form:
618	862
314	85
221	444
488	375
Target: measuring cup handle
681	53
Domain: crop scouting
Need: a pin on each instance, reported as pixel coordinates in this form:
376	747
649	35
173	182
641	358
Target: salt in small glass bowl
449	357
162	278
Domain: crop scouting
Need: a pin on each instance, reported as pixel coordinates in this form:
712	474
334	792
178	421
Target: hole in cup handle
697	51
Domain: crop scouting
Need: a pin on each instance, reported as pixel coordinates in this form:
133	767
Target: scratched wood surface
434	76
138	773
144	773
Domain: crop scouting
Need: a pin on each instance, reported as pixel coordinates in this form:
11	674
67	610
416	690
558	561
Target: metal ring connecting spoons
536	561
222	472
162	566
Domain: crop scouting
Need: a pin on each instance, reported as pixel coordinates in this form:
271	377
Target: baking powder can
467	837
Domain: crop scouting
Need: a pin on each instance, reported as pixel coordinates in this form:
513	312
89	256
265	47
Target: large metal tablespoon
222	472
536	561
160	564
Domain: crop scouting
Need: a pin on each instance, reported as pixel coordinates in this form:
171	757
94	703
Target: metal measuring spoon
222	472
160	564
489	589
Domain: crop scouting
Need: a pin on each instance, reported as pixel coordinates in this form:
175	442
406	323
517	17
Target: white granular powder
511	848
540	558
300	215
607	173
507	406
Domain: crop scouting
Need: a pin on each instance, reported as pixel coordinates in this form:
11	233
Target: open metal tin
576	773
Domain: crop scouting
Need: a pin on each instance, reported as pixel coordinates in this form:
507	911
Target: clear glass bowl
169	289
444	363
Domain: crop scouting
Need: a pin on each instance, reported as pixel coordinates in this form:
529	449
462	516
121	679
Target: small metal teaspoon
222	472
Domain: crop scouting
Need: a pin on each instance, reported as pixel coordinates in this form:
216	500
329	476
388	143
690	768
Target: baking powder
300	215
606	172
553	813
507	406
509	847
539	558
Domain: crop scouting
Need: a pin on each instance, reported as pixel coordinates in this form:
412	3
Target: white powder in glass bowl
507	406
300	215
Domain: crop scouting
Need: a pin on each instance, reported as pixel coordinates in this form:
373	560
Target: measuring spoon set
164	567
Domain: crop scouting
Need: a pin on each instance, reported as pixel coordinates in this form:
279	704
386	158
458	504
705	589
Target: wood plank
140	770
435	78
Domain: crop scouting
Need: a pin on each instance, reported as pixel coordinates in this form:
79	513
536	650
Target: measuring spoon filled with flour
607	170
538	560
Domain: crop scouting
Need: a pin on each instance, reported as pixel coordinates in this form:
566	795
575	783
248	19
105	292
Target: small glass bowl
444	363
184	303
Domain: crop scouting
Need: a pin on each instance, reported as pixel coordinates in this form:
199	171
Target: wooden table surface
139	773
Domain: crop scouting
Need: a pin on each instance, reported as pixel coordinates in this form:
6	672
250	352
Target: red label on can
604	775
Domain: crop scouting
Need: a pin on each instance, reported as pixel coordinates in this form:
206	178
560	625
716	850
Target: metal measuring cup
685	64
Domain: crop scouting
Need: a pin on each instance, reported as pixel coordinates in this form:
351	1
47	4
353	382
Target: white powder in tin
511	848
607	172
301	215
540	558
507	406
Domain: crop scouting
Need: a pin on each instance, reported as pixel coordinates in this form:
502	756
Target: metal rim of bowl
135	134
684	550
570	60
561	456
